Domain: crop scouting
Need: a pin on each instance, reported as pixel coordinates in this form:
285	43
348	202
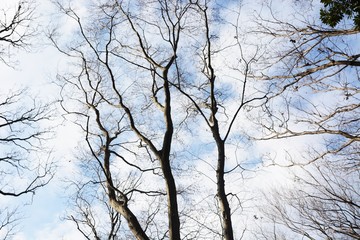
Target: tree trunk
220	181
173	213
131	219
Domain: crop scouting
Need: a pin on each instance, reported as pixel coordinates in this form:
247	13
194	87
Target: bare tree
20	137
144	81
313	60
315	93
16	29
21	143
89	220
323	202
109	93
209	99
9	221
22	119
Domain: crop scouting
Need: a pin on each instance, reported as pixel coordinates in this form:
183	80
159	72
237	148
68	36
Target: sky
37	69
43	217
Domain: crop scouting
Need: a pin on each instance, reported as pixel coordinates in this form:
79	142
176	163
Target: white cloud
58	231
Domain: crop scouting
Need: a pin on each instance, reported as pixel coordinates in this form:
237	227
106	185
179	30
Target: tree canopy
335	10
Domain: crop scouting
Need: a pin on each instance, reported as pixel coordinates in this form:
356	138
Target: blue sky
37	69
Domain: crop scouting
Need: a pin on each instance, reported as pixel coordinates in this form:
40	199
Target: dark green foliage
335	10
